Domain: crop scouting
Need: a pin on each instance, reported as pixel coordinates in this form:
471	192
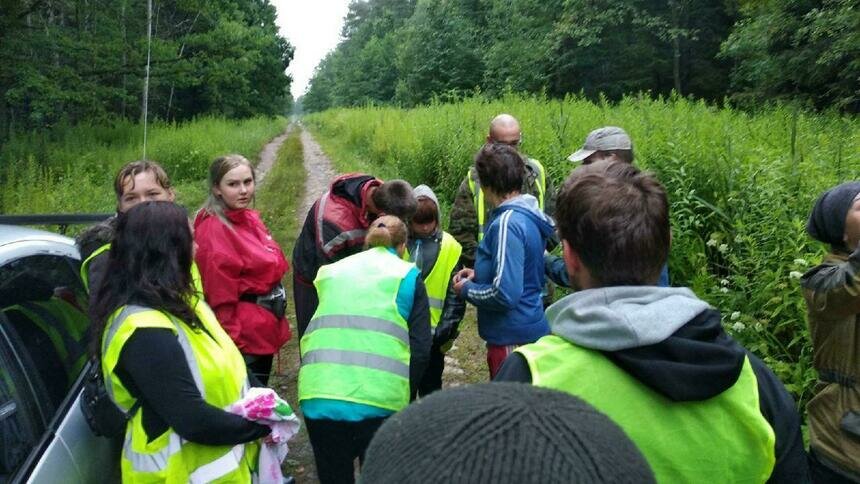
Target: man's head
607	143
141	181
538	435
614	225
835	217
393	197
505	129
500	168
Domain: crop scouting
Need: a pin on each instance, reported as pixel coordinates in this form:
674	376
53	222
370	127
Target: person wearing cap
471	210
502	433
832	293
656	360
606	143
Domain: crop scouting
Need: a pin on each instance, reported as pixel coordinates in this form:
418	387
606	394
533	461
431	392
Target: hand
460	279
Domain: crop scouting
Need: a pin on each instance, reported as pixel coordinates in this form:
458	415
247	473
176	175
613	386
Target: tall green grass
740	185
71	169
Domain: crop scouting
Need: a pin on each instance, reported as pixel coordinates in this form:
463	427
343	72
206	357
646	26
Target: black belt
274	301
833	376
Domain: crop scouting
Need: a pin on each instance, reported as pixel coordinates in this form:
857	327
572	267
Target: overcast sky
313	27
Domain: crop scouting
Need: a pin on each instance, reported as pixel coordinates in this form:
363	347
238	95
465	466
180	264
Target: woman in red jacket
241	265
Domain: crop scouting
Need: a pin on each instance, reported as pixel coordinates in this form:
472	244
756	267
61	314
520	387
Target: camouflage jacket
463	224
832	293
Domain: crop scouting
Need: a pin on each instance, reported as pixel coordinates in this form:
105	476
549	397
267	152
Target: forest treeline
69	61
407	52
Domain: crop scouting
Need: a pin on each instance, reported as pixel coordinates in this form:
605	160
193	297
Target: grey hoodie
622	317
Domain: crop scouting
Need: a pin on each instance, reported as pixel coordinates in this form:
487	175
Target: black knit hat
502	433
827	221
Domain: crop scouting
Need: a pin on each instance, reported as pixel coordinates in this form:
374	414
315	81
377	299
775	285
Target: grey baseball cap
603	139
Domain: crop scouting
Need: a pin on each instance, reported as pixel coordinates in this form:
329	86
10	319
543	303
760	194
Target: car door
44	332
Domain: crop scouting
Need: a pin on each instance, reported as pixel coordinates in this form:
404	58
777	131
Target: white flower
801	262
738	239
739	326
724	282
736	315
723	247
795	275
724	289
712	242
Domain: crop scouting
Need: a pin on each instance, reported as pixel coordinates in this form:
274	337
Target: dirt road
463	364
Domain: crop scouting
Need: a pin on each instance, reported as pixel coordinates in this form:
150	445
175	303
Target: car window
20	422
44	309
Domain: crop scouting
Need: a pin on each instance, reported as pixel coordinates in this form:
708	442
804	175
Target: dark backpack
101	413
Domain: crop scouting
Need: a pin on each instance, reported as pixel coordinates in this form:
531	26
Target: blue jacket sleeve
555	270
506	288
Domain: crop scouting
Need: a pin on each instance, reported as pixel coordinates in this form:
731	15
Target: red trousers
496	356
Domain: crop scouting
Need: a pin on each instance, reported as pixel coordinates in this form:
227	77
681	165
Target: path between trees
269	154
319	172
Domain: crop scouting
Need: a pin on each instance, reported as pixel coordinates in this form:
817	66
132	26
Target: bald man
471	211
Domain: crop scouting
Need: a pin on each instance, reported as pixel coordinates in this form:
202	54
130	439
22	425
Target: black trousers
260	366
306	300
432	379
337	443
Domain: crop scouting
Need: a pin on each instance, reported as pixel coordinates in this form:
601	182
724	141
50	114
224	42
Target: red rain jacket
245	260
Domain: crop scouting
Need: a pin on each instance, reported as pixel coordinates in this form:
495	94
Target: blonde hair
386	231
223	164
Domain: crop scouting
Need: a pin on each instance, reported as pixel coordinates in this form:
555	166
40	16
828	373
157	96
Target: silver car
44	335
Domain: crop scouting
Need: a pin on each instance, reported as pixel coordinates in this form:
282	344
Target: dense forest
407	52
70	61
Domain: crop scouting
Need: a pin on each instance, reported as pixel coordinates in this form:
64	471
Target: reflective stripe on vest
677	438
356	347
85	265
478	195
219	374
440	276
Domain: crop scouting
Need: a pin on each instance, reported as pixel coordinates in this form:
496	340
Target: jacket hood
665	337
528	205
95	236
621	317
425	191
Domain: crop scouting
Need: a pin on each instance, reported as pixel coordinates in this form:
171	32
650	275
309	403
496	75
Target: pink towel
264	406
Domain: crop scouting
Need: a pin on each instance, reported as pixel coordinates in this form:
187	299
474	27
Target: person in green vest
365	349
832	293
166	360
136	182
656	360
471	210
437	255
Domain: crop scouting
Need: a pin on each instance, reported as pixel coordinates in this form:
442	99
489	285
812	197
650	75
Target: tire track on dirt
319	171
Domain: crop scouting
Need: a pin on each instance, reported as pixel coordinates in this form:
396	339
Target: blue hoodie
509	273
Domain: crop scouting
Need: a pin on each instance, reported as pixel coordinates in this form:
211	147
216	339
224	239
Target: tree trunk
124	57
676	63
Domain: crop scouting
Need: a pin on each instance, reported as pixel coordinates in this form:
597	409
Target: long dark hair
149	265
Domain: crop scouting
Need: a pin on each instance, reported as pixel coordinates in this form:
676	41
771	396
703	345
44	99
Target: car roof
17	242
